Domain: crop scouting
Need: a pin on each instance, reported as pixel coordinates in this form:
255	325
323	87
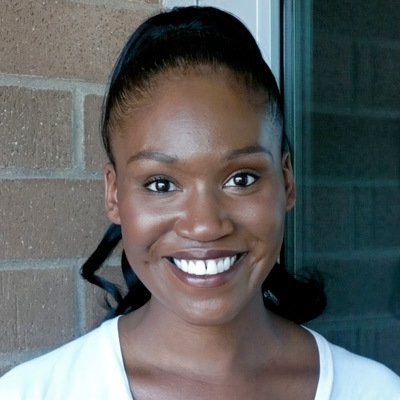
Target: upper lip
203	254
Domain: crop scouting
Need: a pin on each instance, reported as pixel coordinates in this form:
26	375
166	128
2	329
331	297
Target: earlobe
111	198
288	177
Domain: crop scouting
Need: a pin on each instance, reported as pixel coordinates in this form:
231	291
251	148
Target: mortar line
80	316
50	263
44	83
12	173
138	6
78	128
38	264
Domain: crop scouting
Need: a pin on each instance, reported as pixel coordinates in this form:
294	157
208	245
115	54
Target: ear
111	198
288	177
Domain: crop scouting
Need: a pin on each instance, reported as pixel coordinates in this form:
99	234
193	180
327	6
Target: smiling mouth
205	267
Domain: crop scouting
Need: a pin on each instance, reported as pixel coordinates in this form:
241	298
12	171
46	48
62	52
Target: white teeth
205	267
211	267
200	267
184	265
192	268
227	263
220	266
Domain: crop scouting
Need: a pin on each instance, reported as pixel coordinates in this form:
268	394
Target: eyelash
159	179
168	183
253	175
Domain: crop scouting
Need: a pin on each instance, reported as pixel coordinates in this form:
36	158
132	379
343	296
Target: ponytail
137	294
299	299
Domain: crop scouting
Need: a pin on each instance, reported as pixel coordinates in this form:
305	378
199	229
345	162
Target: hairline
141	94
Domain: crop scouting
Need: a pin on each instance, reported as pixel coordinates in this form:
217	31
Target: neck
252	337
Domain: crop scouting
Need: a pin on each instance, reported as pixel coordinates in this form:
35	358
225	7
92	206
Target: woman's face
201	192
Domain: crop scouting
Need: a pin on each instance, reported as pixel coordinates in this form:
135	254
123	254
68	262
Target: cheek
142	226
263	212
264	216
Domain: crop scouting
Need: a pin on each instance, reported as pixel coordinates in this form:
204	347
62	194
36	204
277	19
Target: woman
198	185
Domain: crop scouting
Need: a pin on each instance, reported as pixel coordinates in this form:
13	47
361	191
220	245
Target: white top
91	367
347	376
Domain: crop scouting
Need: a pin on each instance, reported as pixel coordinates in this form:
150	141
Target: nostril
204	229
204	217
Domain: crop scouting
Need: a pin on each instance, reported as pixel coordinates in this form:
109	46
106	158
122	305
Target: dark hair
182	40
177	42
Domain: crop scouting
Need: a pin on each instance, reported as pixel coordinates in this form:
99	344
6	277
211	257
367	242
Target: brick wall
55	59
352	192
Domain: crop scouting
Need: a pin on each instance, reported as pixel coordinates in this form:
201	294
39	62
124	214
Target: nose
204	218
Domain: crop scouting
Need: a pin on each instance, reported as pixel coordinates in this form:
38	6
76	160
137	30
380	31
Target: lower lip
206	281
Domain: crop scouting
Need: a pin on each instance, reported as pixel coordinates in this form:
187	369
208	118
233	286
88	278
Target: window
342	98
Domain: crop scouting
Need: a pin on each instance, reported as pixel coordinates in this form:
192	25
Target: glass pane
342	90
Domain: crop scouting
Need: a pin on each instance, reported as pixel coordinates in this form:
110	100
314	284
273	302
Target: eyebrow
164	158
248	150
152	155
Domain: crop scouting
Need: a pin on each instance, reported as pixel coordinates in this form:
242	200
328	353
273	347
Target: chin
212	312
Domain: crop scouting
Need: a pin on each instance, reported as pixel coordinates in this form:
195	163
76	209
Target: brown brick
95	297
36	308
95	157
51	218
61	39
36	128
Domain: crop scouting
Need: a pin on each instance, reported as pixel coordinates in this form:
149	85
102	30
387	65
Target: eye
160	185
241	180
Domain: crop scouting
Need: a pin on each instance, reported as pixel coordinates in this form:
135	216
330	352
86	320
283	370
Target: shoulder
345	375
76	367
360	377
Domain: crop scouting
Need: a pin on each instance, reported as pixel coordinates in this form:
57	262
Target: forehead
196	114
